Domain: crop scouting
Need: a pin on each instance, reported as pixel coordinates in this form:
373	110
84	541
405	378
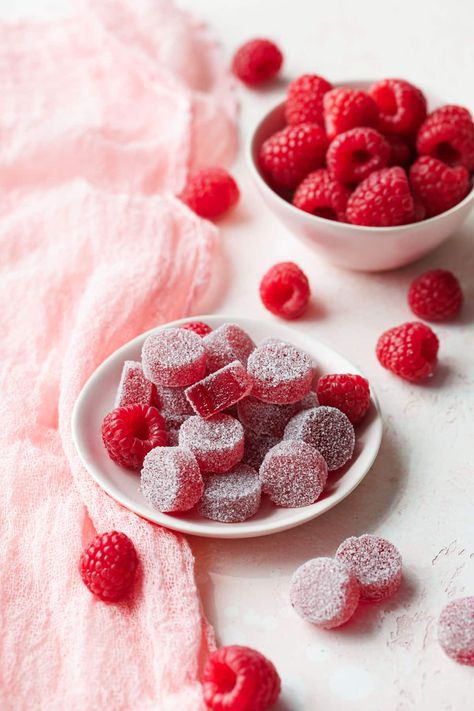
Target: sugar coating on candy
293	474
233	497
227	343
328	430
172	401
267	418
282	374
171	479
174	357
220	389
456	630
134	388
256	447
376	563
173	423
324	591
217	443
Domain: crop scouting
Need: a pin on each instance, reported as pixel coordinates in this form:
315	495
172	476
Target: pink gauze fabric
103	116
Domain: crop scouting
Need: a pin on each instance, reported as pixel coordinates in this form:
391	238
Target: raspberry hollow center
224	678
446	153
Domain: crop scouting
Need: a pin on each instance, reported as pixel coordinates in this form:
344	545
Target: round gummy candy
376	563
256	447
171	479
324	591
233	497
328	430
217	442
174	357
227	343
293	474
264	418
456	630
282	374
172	401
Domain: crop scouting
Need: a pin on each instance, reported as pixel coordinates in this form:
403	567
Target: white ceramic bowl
352	246
97	398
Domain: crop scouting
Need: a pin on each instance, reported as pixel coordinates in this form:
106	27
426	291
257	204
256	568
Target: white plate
97	398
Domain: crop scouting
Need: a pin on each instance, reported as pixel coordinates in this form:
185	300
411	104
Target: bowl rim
343	226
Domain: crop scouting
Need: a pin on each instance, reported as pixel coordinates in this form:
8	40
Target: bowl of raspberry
374	175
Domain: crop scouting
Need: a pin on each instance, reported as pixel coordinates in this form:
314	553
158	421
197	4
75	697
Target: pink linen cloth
100	124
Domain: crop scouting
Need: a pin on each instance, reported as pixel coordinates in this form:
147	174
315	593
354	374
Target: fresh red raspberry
257	61
285	291
448	134
210	192
348	108
304	102
289	155
435	295
402	152
323	196
239	679
356	153
130	432
108	565
438	186
348	392
199	327
382	200
402	106
410	350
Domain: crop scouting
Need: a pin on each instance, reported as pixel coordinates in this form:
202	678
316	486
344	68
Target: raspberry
438	186
356	153
289	155
199	327
285	291
257	61
239	679
382	200
435	295
320	195
304	102
402	106
410	350
448	134
401	150
130	432
348	392
108	565
210	192
348	108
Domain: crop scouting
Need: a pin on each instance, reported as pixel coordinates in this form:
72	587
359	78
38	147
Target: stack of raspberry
373	158
212	422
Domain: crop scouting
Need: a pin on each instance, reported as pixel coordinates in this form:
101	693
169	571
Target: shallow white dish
97	398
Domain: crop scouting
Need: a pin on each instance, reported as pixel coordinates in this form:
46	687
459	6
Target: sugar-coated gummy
376	563
325	592
328	430
231	498
219	390
282	374
174	357
256	447
173	423
172	401
265	418
134	388
216	442
293	474
456	630
227	343
171	479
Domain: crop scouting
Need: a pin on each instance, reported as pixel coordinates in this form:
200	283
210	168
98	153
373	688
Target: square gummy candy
220	390
134	388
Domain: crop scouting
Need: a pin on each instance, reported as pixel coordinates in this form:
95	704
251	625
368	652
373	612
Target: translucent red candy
174	357
217	443
293	474
328	430
456	630
233	497
226	344
171	479
173	423
134	388
220	389
376	563
324	591
172	401
266	418
282	374
256	447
